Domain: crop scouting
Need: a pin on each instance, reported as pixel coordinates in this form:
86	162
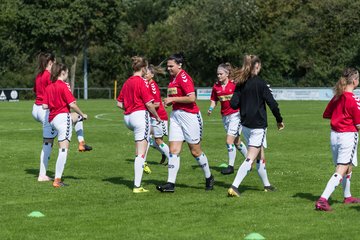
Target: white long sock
204	164
242	148
138	169
147	151
231	153
173	167
261	169
165	149
334	181
242	172
44	158
60	162
346	185
79	128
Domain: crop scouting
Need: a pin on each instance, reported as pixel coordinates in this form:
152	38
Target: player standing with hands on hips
185	123
343	110
59	99
222	91
251	95
136	100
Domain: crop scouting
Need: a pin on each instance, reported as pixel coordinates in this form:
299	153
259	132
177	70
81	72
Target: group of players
243	97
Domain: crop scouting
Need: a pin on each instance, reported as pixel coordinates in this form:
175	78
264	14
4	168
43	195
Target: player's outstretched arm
75	107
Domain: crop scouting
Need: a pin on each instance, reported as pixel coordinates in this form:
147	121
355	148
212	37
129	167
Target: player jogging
185	123
344	114
251	95
136	100
222	92
59	99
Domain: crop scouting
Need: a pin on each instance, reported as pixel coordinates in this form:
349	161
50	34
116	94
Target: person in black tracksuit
251	95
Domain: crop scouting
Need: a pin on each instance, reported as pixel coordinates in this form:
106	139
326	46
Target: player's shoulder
184	77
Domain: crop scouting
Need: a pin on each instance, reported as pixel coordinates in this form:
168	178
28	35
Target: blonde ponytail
241	75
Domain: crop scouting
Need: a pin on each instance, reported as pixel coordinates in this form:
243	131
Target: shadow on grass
242	188
311	197
149	162
355	208
35	172
130	183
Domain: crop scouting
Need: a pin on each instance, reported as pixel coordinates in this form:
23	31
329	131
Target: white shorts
254	137
232	124
139	123
344	147
159	129
42	115
63	125
185	126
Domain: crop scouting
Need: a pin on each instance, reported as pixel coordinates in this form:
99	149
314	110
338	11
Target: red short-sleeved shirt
155	91
181	86
135	94
58	97
344	112
223	94
42	80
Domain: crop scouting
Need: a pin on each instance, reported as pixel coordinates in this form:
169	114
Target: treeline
301	42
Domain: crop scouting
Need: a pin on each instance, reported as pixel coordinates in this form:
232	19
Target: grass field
99	203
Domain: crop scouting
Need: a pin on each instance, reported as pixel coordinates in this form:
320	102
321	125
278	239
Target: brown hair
245	72
56	70
43	60
226	67
156	69
138	63
348	76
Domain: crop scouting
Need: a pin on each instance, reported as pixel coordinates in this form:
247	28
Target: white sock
44	158
242	148
60	162
261	168
165	150
204	164
331	185
173	167
79	128
231	153
242	172
138	168
147	151
346	185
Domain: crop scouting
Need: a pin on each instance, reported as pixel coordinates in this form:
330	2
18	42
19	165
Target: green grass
99	203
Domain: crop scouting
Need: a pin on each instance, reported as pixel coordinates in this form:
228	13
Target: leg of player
79	129
202	160
231	155
44	159
164	148
173	167
147	169
245	167
346	188
240	146
261	169
322	204
141	148
60	163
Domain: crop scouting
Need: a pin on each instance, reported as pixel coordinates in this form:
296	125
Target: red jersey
135	94
223	94
344	112
155	91
58	97
42	80
181	86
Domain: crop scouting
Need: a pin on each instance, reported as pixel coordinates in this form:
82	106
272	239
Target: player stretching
251	96
222	91
59	99
136	100
344	114
158	130
185	123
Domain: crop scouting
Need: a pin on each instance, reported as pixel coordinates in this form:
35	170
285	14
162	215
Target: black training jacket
251	97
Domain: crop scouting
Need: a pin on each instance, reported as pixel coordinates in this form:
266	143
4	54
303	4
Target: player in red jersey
344	113
42	80
186	123
59	99
222	91
136	100
158	130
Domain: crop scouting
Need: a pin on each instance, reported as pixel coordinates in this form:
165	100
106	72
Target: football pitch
99	203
